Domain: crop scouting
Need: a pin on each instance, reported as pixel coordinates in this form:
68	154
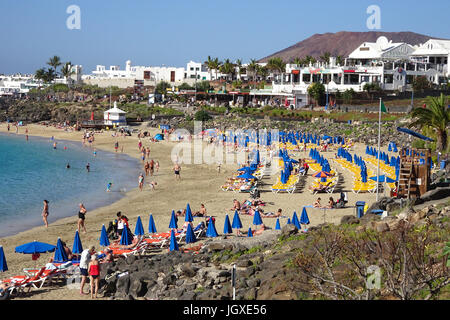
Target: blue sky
150	32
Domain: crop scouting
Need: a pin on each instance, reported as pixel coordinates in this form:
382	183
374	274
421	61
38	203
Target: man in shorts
84	263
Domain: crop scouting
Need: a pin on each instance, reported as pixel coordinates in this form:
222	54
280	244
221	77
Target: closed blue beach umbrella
60	253
250	233
227	227
236	224
288	221
124	239
190	236
151	225
211	230
77	247
3	265
304	219
277	224
390	147
139	230
104	241
173	242
188	216
173	221
257	218
295	221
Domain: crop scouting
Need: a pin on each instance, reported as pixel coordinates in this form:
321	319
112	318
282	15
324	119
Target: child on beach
152	185
108	187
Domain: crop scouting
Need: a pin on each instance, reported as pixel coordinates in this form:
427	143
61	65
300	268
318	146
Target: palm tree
215	65
66	71
325	57
297	61
435	116
54	62
209	64
253	68
339	60
40	74
262	71
276	65
238	65
227	68
310	59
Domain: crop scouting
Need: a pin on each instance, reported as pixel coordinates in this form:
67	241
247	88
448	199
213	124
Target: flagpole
379	136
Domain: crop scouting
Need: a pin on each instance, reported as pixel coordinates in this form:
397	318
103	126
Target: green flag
383	108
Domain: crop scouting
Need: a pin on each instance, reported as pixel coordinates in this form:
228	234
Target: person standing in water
88	167
54	145
81	218
45	213
116	145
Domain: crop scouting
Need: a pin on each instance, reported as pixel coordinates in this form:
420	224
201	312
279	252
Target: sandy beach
199	184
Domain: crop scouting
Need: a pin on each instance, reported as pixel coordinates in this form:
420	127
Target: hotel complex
393	66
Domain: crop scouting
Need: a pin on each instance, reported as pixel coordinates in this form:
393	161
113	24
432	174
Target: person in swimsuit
116	145
176	170
94	275
68	165
54	145
81	218
147	168
88	167
141	181
152	165
45	213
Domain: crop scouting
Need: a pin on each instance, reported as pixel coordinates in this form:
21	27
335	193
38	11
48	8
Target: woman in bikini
81	218
45	213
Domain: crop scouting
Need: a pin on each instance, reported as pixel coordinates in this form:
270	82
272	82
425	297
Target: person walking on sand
84	266
152	166
94	274
146	168
45	213
81	218
176	170
141	181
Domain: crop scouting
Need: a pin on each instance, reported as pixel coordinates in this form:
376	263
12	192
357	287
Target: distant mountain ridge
342	43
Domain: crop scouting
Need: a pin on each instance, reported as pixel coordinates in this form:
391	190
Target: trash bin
360	208
442	167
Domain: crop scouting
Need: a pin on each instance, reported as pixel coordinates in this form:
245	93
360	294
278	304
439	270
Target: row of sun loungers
358	185
388	170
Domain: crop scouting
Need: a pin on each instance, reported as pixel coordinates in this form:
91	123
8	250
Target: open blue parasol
173	221
414	134
139	229
173	242
151	225
247	176
104	241
60	253
237	224
190	236
3	265
211	230
227	226
35	247
77	247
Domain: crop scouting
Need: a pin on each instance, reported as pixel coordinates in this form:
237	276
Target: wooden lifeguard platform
414	176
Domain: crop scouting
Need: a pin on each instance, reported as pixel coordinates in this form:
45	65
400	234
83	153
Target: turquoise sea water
31	171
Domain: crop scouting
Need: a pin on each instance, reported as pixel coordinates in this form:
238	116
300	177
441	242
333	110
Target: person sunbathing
236	205
136	241
317	204
273	215
331	204
201	212
320	187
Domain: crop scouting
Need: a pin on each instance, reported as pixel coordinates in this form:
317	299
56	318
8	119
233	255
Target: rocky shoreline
264	263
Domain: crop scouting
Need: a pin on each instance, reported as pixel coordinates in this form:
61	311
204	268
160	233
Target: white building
17	84
199	71
393	66
114	116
